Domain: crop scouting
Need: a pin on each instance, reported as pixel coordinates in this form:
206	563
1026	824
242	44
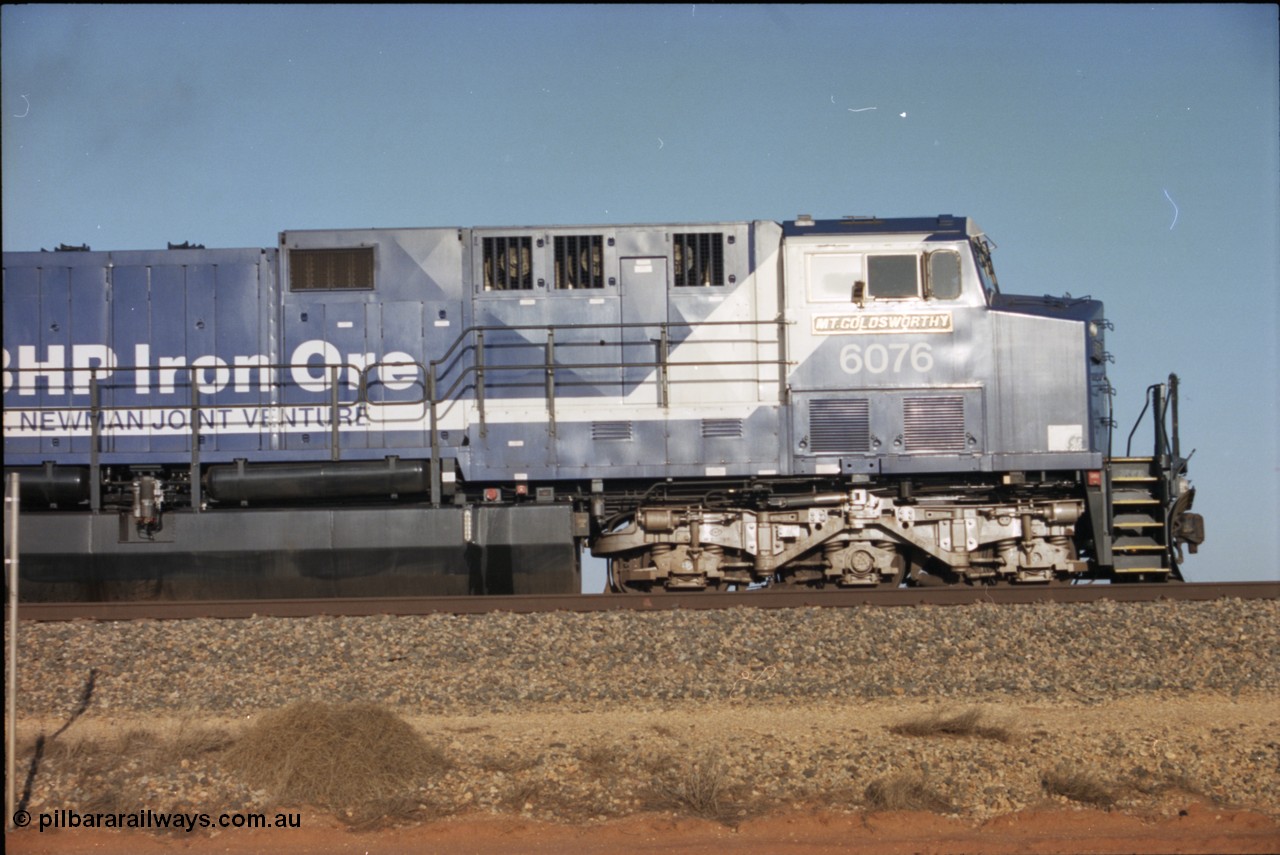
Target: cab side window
893	277
944	275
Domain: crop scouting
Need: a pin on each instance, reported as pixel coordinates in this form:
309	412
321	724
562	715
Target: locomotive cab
885	325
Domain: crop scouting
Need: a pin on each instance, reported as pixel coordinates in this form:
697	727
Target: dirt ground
1203	828
1183	823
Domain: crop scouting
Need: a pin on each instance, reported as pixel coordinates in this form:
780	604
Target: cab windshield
982	247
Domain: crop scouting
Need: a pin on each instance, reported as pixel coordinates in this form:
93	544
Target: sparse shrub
522	793
698	788
600	761
111	763
359	760
1078	785
906	791
970	722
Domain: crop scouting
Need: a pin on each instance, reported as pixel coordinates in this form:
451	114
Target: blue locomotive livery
460	410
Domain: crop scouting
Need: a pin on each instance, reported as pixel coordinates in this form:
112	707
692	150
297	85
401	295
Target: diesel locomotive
827	403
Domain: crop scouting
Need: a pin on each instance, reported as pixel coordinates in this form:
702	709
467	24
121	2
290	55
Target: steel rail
530	603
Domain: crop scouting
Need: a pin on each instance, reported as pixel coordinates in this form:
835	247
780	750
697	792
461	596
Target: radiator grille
508	263
730	428
579	261
839	425
611	431
934	424
699	259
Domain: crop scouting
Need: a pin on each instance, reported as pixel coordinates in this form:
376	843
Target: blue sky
1127	152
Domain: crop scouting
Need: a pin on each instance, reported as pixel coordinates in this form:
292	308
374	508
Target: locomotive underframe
857	537
302	530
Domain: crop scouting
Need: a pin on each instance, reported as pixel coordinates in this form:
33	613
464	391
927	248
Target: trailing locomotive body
392	411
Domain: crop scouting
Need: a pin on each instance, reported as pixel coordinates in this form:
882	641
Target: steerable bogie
852	538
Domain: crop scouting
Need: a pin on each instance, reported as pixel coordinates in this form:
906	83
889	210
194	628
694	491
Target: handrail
195	447
663	327
95	482
479	366
465	333
1159	399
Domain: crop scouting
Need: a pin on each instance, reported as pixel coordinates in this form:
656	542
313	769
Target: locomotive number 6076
881	358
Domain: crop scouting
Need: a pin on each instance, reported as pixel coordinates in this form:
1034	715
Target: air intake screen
330	269
722	428
839	425
934	424
610	431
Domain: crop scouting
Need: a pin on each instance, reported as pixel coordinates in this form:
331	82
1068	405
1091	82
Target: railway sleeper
863	540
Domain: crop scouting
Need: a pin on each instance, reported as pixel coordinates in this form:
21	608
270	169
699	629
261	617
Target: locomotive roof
943	225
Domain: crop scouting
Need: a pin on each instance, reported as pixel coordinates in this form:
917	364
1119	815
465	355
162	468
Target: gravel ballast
578	716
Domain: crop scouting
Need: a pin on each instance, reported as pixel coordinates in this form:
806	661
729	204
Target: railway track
364	606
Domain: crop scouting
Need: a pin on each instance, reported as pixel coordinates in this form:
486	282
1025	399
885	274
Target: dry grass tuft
601	761
509	764
906	791
190	741
108	798
1078	785
112	766
1164	781
522	794
359	760
698	787
970	722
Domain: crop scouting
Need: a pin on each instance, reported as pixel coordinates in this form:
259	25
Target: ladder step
1129	562
1138	543
1137	519
1132	469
